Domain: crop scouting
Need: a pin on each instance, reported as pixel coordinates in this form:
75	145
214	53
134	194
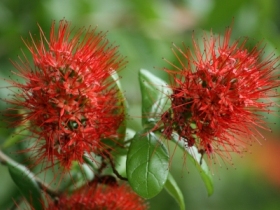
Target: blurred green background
145	31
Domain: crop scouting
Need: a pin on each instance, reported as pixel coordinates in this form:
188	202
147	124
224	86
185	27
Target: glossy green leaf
26	183
90	161
147	165
123	104
154	92
203	169
173	189
79	174
120	165
122	108
199	163
129	134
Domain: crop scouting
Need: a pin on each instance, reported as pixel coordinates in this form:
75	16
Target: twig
114	169
103	165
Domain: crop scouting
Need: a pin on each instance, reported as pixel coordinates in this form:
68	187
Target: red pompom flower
218	94
101	197
69	101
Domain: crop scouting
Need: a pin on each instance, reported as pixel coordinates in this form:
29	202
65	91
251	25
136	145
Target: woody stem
114	168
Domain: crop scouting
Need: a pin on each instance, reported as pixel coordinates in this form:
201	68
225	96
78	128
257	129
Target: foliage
144	31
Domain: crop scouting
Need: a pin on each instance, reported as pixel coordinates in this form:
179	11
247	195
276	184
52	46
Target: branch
114	169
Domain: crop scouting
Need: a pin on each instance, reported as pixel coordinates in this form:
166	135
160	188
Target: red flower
101	197
218	93
69	99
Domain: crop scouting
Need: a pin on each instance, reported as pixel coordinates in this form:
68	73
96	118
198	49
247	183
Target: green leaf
123	104
129	134
89	160
122	108
199	163
147	164
26	183
154	92
173	189
79	175
120	165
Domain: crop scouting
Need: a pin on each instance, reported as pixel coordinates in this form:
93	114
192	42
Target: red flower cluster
101	197
217	94
69	98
